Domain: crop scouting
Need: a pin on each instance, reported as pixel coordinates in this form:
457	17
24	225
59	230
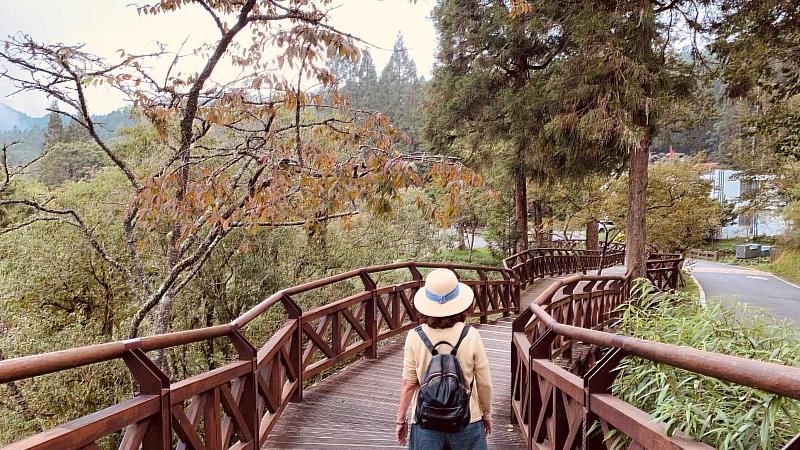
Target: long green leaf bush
719	413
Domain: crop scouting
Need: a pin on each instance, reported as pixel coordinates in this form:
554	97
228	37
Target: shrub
720	413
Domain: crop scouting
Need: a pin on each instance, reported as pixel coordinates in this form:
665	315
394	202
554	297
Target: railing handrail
262	307
775	378
575	251
43	363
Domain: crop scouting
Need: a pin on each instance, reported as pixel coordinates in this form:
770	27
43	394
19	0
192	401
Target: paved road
723	282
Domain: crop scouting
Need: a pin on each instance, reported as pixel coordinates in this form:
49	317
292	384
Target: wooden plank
638	424
204	382
232	409
336	306
317	343
185	430
355	407
88	429
134	434
212	419
275	343
569	383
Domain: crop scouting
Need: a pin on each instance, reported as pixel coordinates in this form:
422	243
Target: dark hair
444	322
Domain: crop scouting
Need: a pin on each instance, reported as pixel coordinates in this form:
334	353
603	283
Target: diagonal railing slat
238	404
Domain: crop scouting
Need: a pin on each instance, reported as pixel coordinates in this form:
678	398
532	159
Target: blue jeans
470	438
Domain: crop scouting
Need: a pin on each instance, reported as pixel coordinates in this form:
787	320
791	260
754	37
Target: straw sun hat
443	295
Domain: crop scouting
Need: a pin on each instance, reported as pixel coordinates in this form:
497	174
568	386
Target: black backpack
443	399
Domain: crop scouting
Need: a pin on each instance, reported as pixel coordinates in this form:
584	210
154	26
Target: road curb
784	280
702	295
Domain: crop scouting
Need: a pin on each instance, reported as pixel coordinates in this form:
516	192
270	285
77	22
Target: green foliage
69	162
680	213
29	144
759	44
56	293
358	81
400	91
14	214
722	414
792	215
54	132
31	140
478	256
397	93
788	265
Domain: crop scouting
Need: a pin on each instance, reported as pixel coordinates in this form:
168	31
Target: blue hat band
442	298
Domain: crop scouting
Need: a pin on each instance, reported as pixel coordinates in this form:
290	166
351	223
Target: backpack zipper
442	375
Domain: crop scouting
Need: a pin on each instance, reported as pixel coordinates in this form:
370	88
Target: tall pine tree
484	94
618	74
54	133
399	91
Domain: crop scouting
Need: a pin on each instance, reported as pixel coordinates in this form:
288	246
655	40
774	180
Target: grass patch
689	287
729	245
788	265
719	413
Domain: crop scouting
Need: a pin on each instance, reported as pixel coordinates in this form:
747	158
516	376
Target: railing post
598	381
152	381
296	352
371	314
248	405
538	405
484	296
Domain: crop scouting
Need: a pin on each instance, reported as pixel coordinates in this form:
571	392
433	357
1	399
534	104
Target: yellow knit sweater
471	355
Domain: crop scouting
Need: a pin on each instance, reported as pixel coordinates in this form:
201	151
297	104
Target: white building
728	187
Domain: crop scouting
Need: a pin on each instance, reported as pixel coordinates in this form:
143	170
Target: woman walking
446	378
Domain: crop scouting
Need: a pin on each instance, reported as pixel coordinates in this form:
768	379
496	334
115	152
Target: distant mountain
10	118
28	132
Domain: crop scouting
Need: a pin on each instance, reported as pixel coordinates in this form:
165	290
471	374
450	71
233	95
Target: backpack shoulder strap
464	333
426	341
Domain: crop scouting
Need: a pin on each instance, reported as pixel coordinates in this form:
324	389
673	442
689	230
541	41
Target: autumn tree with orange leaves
268	148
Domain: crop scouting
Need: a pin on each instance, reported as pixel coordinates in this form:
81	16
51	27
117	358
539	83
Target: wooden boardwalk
355	407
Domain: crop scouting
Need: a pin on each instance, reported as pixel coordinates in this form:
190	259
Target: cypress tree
54	133
484	94
399	91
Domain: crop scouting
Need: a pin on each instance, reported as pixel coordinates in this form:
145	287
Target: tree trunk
538	222
592	236
546	238
460	227
637	207
521	210
472	240
162	319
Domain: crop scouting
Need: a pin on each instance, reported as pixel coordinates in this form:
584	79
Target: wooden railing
236	405
568	244
708	255
539	263
664	270
563	365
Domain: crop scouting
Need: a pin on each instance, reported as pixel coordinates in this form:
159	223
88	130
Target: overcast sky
107	25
